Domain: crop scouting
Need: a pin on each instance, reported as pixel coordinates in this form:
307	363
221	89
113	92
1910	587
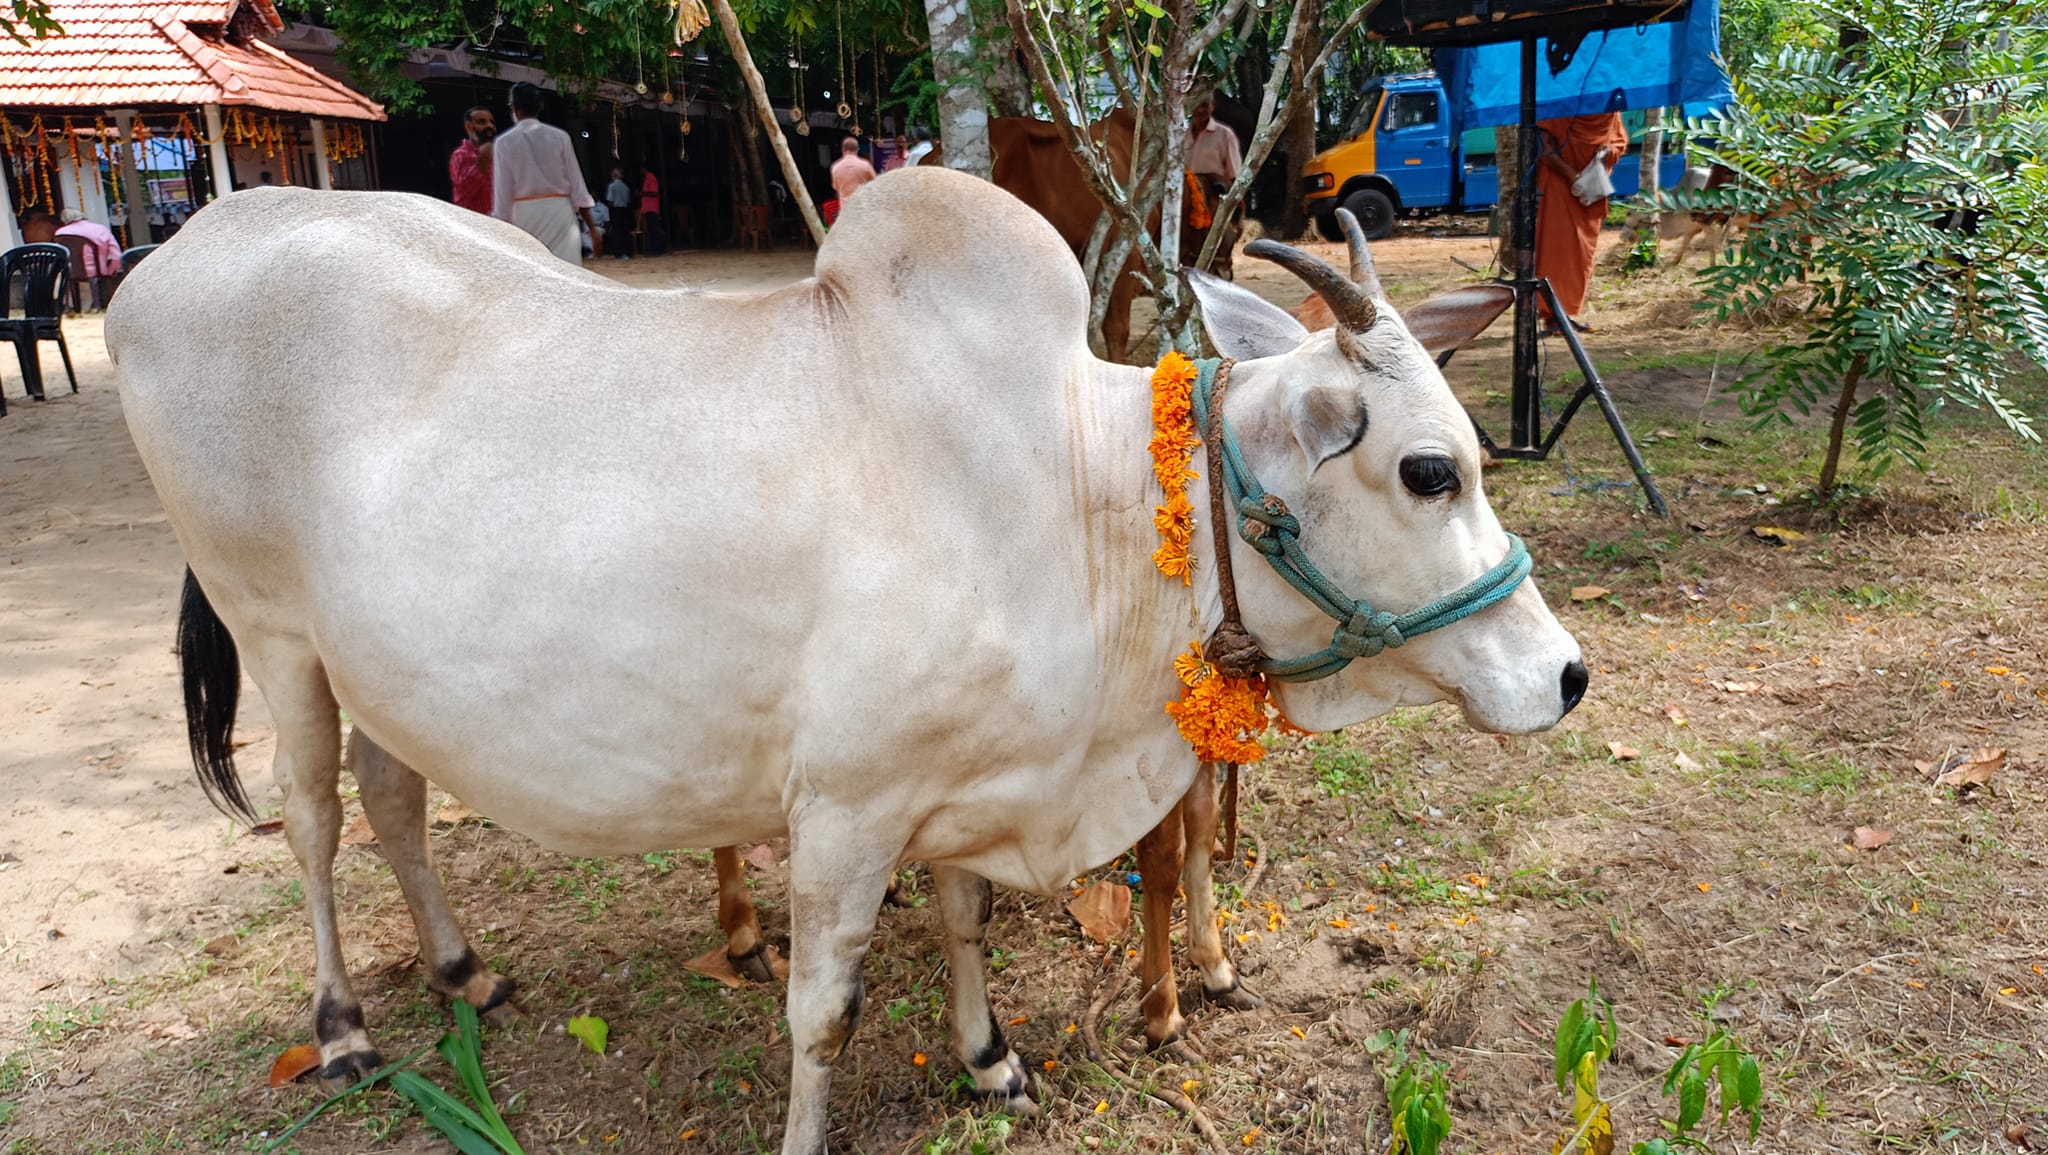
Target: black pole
1525	401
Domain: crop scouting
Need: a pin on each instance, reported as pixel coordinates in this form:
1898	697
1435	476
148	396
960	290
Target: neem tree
1901	198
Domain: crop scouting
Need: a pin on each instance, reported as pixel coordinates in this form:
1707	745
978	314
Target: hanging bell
686	128
845	111
640	87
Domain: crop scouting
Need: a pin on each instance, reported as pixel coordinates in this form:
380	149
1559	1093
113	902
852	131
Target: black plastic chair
44	272
129	259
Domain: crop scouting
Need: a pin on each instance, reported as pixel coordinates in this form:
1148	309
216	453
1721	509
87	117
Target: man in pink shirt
469	169
536	182
102	251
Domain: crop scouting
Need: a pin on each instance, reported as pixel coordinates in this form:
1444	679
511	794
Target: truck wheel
1326	227
1374	210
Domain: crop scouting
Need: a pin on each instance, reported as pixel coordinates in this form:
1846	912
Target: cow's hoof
754	964
1235	996
347	1069
1004	1087
1162	1035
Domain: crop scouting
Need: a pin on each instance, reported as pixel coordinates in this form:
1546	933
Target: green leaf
446	1114
1749	1091
1692	1098
592	1030
1564	1053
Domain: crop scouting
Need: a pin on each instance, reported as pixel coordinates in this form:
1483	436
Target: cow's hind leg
839	868
1220	984
1159	861
308	769
998	1073
744	946
395	799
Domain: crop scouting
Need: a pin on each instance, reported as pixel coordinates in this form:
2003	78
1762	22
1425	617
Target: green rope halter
1362	632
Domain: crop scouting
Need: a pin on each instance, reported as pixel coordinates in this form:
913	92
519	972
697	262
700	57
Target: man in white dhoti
536	182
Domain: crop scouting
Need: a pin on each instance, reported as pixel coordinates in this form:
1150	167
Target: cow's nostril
1573	684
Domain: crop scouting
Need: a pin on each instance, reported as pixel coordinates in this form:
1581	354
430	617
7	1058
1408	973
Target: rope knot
1265	520
1233	651
1365	633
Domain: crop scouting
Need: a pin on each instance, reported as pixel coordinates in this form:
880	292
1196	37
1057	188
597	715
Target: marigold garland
1221	718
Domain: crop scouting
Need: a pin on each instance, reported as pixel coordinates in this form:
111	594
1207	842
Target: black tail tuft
213	685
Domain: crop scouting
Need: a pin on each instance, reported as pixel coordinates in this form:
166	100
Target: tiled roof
116	55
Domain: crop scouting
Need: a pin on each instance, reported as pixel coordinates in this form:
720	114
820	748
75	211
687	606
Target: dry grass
1779	697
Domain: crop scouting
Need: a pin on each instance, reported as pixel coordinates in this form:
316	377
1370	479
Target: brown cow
1034	165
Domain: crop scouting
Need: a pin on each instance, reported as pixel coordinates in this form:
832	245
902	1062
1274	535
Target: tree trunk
730	24
1507	156
1009	89
1838	428
753	181
1650	163
963	116
1301	126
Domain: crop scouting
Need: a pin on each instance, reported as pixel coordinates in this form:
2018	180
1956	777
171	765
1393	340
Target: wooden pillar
132	188
322	177
223	172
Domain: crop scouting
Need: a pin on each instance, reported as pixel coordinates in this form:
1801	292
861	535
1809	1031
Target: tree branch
1272	121
1345	29
1202	40
1093	163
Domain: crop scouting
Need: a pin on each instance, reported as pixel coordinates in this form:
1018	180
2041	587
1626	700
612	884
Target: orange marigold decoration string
1220	717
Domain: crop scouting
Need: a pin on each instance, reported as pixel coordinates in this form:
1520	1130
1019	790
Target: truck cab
1404	152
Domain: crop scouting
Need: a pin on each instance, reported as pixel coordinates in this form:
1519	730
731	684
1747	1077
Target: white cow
866	560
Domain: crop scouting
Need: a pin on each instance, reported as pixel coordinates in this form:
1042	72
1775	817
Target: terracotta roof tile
141	53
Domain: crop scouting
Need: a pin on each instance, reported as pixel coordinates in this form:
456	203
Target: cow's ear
1448	320
1241	324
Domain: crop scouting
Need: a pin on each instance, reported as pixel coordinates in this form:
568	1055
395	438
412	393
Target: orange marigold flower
1191	667
1221	718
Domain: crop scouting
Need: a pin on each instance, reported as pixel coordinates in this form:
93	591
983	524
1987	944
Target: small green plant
1585	1038
1416	1091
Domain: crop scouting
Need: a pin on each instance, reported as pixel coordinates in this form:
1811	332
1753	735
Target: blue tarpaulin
1647	66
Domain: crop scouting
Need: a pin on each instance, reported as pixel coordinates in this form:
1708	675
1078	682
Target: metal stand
1527	442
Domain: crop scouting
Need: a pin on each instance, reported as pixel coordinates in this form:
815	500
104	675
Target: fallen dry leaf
223	945
71	1078
1103	910
359	832
454	814
1775	535
294	1063
762	856
716	964
2020	1135
1623	753
1589	593
1687	763
1870	838
1976	770
1676	713
1677	1041
1739	687
395	963
274	826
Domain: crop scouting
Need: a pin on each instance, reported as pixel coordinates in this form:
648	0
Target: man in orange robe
1567	232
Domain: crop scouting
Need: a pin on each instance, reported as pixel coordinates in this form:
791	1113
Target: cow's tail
213	683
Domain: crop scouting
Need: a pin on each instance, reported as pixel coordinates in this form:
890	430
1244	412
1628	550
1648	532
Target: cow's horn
1348	302
1361	256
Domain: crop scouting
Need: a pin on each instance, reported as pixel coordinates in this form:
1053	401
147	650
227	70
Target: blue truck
1404	153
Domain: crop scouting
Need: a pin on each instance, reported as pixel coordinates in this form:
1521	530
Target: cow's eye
1429	475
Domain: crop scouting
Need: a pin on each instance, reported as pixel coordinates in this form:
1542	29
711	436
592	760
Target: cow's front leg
998	1073
395	800
1220	984
839	868
1159	859
744	946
